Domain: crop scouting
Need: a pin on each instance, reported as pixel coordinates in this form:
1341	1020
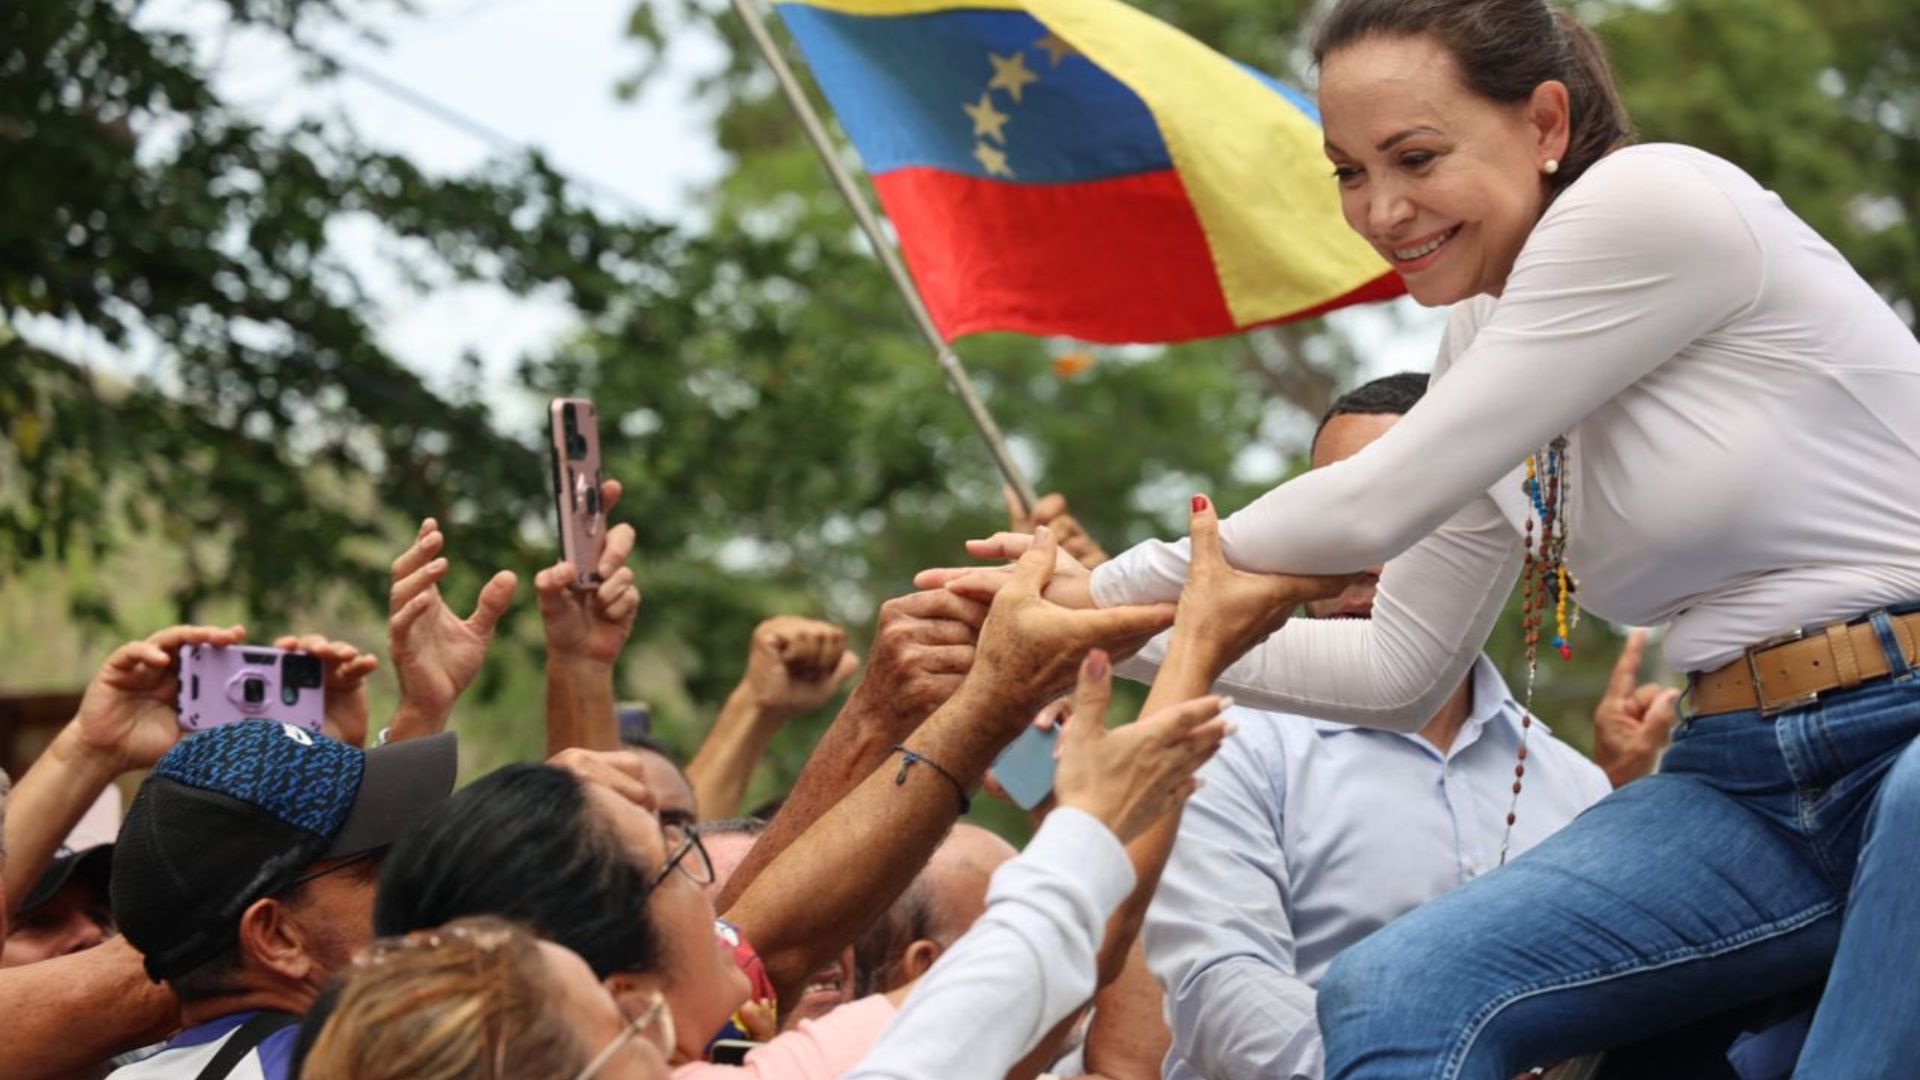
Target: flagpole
870	224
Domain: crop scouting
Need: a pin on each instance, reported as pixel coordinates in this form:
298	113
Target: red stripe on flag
1115	260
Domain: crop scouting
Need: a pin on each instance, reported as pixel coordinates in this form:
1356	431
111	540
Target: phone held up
1025	768
225	685
576	487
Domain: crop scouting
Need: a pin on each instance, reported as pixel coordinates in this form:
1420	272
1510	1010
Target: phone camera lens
300	672
253	691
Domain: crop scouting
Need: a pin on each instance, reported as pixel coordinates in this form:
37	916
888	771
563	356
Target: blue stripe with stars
989	94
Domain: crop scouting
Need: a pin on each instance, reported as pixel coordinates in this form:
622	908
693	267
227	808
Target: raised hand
129	716
1134	775
1223	611
436	654
344	680
1031	646
1051	512
1634	721
591	624
796	665
1070	586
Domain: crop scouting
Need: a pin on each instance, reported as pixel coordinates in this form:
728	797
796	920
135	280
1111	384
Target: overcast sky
540	73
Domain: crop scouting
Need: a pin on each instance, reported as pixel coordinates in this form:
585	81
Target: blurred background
280	277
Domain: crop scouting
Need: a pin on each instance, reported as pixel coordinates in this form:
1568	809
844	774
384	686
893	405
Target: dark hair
1505	49
1389	395
523	843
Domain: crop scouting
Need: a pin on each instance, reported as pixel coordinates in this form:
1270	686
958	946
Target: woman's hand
1134	775
1071	585
1223	612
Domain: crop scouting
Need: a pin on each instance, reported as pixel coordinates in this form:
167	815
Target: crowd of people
1660	397
281	904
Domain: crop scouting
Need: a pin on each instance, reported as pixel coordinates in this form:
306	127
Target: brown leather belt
1792	671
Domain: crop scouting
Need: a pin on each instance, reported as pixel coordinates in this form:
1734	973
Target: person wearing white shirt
1723	421
1308	835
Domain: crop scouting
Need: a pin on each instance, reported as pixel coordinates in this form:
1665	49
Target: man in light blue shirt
1308	835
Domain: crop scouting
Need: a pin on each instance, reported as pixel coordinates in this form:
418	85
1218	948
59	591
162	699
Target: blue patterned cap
307	781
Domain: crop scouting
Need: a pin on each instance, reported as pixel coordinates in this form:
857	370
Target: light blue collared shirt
1309	835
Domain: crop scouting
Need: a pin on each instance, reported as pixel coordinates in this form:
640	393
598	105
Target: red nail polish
1199	503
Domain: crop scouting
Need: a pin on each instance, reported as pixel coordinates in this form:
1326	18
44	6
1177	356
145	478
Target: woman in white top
1724	424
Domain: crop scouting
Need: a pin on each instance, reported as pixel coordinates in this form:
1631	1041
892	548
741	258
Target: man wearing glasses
245	874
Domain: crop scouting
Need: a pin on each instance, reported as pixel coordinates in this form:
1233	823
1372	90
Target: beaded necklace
1545	573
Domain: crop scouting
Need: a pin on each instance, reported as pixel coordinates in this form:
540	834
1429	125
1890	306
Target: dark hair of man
1389	395
1505	49
525	844
219	976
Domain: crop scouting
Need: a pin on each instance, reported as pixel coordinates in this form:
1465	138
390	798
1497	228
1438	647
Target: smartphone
730	1051
1025	768
222	685
582	520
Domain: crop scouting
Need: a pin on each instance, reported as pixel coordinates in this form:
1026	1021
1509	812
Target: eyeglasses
700	871
654	1024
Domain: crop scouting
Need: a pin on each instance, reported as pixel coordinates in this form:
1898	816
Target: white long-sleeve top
1022	967
1743	421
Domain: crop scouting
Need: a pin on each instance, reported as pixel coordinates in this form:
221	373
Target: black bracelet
910	758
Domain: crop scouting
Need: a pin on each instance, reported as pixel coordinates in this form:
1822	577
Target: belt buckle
1798	701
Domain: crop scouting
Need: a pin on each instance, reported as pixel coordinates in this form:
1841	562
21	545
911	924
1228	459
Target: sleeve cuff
1098	860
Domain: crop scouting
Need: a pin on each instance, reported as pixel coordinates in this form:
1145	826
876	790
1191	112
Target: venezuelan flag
1076	167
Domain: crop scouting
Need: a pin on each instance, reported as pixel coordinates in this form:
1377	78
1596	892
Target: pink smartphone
576	487
227	684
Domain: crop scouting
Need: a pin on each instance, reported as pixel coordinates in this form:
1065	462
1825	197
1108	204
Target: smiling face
1444	183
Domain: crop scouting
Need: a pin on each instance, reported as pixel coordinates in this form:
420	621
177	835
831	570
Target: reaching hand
1134	775
1030	646
130	713
1071	585
623	772
436	654
1223	611
796	665
1051	511
591	624
345	683
923	647
1633	724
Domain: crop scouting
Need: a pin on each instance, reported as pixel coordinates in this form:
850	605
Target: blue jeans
1766	851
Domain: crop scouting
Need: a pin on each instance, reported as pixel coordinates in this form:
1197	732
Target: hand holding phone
222	685
581	517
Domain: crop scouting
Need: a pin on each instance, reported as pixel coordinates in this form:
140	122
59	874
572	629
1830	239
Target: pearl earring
1550	166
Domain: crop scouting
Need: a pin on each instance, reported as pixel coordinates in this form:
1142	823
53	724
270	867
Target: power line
455	118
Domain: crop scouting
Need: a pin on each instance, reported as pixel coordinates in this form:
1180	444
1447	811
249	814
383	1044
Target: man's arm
794	666
1219	934
820	893
922	649
128	719
1128	1038
73	1012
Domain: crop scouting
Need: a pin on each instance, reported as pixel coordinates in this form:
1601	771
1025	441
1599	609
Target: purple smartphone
225	685
576	487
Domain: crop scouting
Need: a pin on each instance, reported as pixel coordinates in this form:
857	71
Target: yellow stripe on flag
906	7
1251	162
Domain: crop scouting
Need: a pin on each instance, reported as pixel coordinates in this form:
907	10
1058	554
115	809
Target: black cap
237	813
94	865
